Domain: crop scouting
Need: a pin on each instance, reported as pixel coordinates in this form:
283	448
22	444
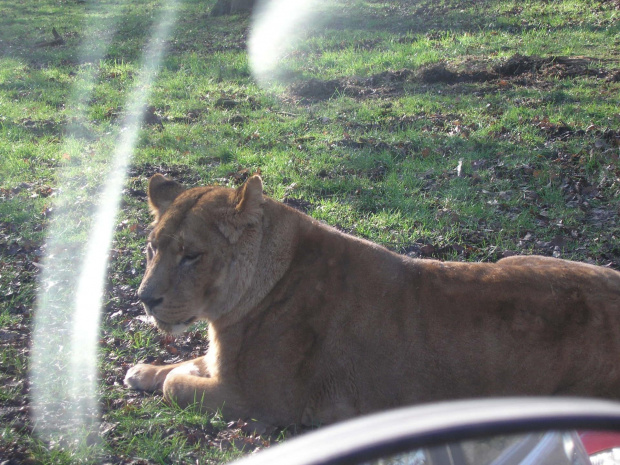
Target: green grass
375	156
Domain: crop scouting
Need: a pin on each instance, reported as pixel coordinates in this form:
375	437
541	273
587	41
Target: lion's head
202	253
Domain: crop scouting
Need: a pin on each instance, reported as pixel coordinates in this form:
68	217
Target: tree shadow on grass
436	18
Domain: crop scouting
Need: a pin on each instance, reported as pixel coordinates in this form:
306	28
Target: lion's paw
144	377
186	369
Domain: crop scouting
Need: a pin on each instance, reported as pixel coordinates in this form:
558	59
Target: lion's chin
174	328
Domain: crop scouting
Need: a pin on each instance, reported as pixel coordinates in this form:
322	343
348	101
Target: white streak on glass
277	26
67	321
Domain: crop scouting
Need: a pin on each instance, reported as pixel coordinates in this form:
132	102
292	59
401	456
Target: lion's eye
189	259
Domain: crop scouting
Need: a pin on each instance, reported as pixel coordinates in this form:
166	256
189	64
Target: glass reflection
541	448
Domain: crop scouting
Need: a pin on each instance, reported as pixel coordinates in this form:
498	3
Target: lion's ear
162	192
249	197
248	203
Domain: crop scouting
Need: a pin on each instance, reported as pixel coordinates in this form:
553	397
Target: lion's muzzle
150	302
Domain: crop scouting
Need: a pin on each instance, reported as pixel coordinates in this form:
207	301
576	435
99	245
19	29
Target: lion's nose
150	302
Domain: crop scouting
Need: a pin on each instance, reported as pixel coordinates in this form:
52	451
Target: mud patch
517	70
555	66
388	77
517	65
317	89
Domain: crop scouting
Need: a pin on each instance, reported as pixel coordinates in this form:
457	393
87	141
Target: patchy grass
445	129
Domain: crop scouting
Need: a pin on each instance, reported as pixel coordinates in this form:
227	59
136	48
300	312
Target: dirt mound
513	70
317	89
440	73
387	77
556	66
517	65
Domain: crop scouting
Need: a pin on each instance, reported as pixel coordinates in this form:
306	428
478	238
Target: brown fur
309	325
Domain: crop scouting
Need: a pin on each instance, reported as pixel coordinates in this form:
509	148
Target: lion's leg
184	388
147	377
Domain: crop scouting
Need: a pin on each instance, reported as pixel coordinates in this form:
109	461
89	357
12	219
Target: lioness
308	325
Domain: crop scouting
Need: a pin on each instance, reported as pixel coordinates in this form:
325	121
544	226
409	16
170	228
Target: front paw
145	377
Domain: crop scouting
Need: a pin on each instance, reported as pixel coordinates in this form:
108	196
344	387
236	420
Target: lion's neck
281	231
